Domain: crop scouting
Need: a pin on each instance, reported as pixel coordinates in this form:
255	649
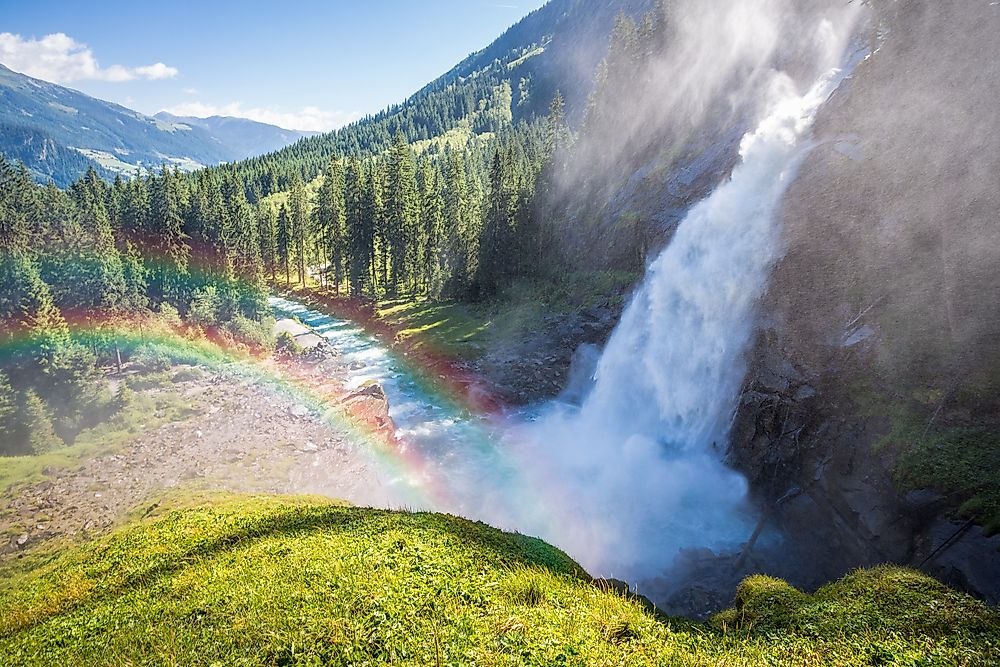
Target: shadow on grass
117	565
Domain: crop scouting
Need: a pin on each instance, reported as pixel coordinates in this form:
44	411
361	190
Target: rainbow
447	383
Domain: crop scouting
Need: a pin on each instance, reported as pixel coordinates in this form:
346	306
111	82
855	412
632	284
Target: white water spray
636	471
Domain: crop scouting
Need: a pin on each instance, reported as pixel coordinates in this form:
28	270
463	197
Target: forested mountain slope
556	47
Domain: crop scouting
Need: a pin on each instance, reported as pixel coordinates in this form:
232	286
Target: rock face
891	237
369	405
814	470
537	366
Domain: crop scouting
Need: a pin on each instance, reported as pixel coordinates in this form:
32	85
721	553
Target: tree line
459	219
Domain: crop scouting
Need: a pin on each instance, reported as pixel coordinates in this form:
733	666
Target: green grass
956	454
467	330
960	461
453	328
144	412
303	581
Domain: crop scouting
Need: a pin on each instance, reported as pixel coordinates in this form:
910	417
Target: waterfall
635	475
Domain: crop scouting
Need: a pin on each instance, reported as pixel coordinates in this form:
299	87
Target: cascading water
634	475
637	468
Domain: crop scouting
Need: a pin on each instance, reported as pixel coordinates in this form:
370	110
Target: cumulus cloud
307	119
61	59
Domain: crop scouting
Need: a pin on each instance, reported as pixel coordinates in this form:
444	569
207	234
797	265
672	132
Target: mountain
555	48
59	132
244	137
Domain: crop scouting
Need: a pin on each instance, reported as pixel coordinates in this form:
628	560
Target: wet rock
623	589
370	405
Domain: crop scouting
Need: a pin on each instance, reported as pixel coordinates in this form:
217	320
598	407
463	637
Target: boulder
369	405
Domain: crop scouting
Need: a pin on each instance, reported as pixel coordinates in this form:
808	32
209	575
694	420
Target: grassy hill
303	581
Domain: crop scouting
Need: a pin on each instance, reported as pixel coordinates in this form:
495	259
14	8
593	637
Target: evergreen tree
360	229
457	224
284	242
432	219
402	215
267	226
99	283
15	209
32	325
298	211
374	211
331	220
244	248
496	243
166	242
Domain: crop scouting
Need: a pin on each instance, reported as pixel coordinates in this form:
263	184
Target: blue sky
308	65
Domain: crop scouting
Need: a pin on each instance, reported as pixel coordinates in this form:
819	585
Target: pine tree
284	242
18	207
496	241
331	220
402	215
30	323
457	223
360	230
166	243
298	210
267	226
432	220
100	281
244	248
374	211
134	271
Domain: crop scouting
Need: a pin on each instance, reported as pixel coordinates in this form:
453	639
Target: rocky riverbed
243	437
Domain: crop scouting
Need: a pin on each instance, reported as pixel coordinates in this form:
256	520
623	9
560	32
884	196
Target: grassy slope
144	413
467	330
280	581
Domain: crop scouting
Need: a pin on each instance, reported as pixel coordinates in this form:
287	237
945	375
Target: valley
654	332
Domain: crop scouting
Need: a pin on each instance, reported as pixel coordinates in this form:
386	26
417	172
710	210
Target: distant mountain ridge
242	135
59	133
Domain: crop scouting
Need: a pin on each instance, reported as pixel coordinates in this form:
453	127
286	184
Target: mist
634	475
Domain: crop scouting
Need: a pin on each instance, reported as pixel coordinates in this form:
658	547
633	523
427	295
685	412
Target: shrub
42	437
169	316
256	334
204	309
287	345
152	359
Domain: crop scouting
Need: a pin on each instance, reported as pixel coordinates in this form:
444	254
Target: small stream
446	458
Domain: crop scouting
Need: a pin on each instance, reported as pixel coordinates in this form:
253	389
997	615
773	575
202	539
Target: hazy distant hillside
242	136
59	132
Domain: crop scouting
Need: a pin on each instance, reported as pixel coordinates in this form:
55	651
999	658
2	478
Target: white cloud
156	71
309	118
61	59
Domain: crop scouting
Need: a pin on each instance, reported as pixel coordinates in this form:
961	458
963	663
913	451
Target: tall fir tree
166	243
298	211
359	228
284	243
331	221
267	232
432	221
402	216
